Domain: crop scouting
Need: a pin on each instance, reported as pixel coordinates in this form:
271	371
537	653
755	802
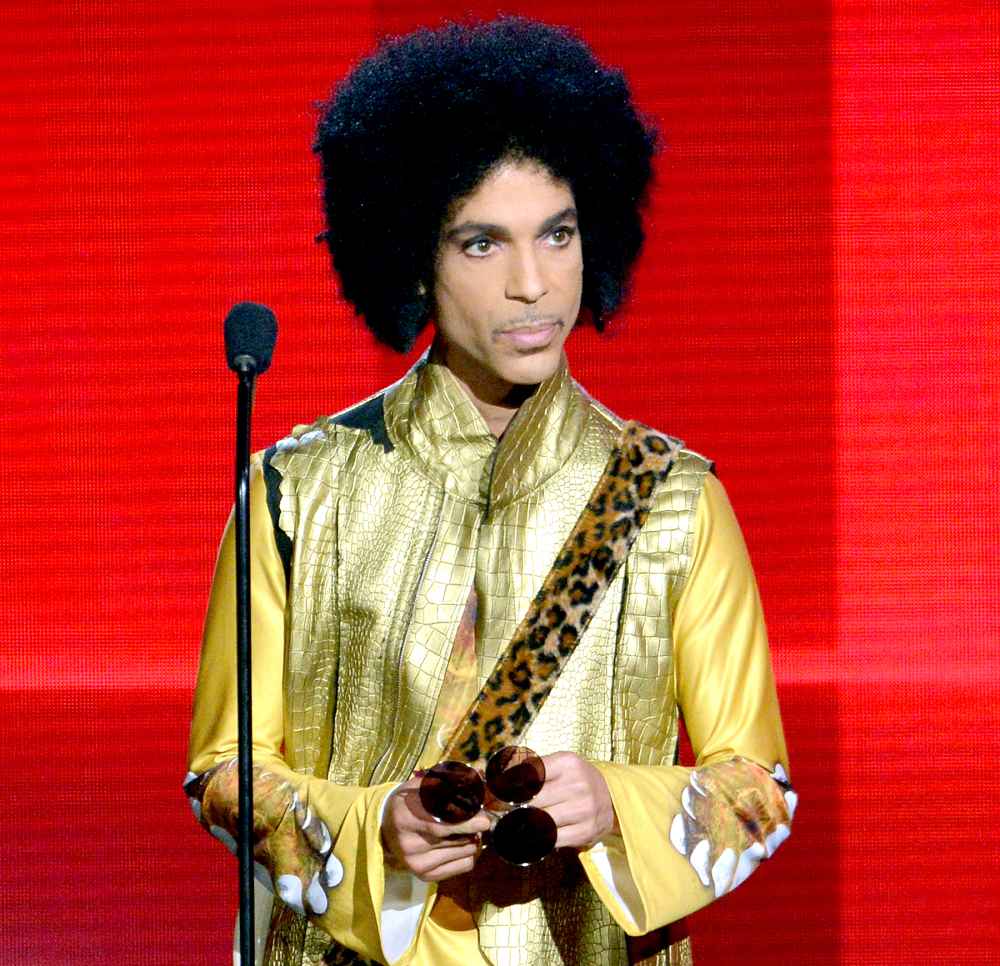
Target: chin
533	369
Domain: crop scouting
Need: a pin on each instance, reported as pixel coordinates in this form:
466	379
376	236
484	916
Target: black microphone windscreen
251	330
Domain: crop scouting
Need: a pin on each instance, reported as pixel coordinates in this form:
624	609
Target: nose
525	278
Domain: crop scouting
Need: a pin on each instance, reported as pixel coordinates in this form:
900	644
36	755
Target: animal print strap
543	642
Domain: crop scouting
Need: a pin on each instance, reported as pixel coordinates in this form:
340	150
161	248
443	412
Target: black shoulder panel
272	480
370	417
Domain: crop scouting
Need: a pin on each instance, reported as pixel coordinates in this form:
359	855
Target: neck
496	400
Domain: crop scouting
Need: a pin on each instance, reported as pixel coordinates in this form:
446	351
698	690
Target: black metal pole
244	402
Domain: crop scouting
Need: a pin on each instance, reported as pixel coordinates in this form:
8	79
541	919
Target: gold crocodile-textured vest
387	514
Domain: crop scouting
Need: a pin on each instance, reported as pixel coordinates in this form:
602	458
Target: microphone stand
247	372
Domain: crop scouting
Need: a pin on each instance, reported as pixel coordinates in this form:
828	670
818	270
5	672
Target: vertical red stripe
917	200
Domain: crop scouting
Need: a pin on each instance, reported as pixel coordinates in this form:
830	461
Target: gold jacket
377	523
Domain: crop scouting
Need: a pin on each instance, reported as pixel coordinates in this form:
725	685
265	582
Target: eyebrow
488	228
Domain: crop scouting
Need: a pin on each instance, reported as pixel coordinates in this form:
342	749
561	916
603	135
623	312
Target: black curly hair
417	125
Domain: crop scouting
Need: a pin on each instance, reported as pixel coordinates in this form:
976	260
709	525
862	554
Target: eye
478	247
561	236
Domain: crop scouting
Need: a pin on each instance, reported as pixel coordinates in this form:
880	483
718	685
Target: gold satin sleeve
690	835
318	844
725	686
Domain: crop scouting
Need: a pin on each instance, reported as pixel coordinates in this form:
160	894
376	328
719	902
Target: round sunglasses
453	792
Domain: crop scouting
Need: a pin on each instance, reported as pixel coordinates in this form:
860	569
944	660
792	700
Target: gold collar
430	417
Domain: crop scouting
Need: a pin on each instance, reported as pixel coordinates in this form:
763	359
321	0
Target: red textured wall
816	310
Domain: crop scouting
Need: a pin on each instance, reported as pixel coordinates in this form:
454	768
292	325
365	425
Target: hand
576	795
415	842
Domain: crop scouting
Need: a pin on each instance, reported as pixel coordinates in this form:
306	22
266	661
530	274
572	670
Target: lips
535	336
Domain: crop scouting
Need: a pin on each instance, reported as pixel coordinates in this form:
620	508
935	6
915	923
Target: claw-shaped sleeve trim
293	848
733	815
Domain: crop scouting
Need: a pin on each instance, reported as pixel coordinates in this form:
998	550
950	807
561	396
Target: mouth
534	335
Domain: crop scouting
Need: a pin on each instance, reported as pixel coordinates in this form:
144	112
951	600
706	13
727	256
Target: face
508	281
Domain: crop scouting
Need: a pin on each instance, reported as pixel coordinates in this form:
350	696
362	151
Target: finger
421	836
561	790
410	785
566	814
552	794
406	813
586	814
449	870
557	764
437	840
417	817
579	835
420	841
429	865
408	795
476	825
413	841
416	855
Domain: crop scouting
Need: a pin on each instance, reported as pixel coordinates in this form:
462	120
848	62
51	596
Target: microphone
251	330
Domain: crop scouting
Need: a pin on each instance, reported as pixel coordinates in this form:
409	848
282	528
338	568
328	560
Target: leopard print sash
569	597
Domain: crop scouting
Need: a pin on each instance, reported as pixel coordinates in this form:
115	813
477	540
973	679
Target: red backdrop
816	309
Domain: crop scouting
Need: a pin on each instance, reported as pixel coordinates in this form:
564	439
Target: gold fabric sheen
382	575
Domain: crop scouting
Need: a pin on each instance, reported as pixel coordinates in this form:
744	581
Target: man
487	180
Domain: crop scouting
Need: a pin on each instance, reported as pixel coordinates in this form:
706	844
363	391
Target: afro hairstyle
415	128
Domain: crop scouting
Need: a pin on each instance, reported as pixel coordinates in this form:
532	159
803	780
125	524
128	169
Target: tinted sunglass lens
524	836
515	775
451	791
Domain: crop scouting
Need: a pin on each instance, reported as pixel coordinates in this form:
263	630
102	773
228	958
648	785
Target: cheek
466	300
448	299
572	288
572	270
